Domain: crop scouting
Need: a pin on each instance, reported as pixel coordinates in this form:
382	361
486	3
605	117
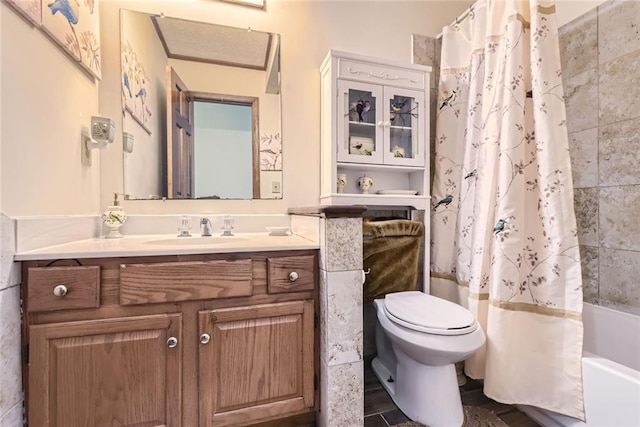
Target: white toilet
419	338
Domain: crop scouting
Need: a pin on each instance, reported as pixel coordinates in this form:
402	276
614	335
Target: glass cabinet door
359	122
404	119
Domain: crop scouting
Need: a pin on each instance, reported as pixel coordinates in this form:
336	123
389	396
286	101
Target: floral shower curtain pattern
504	236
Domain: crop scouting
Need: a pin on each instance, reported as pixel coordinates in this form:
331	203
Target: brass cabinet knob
205	338
293	276
60	291
172	342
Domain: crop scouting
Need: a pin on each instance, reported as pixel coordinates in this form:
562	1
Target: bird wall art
75	26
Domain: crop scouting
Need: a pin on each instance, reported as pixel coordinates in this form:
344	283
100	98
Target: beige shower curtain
504	232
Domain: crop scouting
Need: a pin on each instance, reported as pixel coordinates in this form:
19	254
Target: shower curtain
504	236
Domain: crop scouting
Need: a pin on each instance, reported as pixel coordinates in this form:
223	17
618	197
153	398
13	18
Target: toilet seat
425	313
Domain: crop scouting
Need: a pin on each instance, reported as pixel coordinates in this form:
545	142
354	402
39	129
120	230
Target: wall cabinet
375	124
199	340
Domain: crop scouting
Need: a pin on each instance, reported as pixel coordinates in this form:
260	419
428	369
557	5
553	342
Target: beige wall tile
619	153
342	395
579	44
586	207
13	418
619	272
618	23
341	318
10	373
424	53
581	95
619	227
619	91
589	261
9	270
341	244
583	148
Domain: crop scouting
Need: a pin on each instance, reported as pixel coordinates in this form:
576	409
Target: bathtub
610	369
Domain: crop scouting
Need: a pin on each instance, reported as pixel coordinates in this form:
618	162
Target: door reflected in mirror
202	102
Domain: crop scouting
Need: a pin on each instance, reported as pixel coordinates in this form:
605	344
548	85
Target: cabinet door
255	363
111	372
404	127
359	122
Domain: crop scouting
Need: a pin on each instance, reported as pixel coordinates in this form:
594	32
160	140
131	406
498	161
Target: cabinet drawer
291	274
63	288
381	74
184	281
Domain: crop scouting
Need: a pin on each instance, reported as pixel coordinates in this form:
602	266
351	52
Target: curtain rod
460	18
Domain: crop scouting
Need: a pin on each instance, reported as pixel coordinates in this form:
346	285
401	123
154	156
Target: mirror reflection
201	110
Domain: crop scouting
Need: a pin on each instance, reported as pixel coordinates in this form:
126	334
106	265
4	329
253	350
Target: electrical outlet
275	187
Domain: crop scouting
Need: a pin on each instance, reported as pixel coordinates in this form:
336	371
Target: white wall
568	10
47	101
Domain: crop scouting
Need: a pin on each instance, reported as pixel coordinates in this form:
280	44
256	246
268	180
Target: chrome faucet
205	227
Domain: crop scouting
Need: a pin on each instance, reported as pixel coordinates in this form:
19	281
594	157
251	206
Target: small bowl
278	231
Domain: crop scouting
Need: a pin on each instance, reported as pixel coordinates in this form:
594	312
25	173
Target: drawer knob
205	338
172	342
60	291
293	276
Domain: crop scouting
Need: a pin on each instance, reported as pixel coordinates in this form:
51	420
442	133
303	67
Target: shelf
361	123
372	166
417	202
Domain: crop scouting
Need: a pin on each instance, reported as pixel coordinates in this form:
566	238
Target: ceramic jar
341	182
365	183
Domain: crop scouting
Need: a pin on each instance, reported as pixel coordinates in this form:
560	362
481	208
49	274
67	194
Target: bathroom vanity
200	337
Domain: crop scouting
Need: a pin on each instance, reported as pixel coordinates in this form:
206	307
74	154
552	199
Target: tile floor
380	411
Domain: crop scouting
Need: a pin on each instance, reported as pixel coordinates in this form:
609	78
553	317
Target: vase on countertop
114	217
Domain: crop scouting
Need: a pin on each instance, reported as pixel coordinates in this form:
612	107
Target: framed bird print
75	26
30	9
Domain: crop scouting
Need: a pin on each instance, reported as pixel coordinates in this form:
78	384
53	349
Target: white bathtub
610	369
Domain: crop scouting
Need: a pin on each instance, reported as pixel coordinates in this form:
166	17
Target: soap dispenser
114	217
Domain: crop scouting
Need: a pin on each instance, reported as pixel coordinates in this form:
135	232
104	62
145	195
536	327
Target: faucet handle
184	225
227	225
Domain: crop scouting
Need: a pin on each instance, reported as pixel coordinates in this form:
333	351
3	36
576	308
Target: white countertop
167	244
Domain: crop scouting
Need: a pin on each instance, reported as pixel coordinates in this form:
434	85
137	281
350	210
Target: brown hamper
391	250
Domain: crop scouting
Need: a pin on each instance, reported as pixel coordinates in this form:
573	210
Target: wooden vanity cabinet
106	372
228	344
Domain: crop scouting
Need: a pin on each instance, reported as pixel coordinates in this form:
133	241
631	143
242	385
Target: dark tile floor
380	411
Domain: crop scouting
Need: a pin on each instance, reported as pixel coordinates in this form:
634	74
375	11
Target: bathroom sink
194	241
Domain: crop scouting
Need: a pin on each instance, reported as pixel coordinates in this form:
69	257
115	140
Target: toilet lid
426	313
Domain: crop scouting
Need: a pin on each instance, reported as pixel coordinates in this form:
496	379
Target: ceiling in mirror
216	44
182	84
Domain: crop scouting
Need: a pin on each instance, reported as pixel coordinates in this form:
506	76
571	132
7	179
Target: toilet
419	338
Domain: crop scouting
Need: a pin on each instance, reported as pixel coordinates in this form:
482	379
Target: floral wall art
30	9
75	25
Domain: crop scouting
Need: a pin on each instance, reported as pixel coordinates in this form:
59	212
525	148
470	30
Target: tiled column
341	365
10	372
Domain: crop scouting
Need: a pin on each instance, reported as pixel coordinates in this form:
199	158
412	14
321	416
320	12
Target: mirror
201	110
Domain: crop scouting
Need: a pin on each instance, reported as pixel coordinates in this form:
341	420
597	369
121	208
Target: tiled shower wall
600	53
